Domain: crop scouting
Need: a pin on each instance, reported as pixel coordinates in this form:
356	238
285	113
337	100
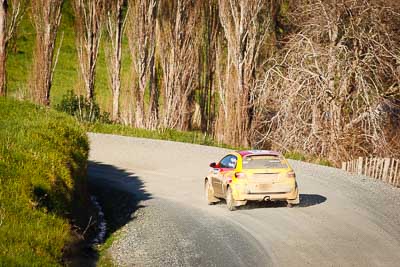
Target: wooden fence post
374	161
391	169
397	175
386	164
389	177
372	167
380	169
360	166
382	163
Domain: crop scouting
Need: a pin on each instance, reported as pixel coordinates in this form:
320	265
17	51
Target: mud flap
210	197
240	203
295	201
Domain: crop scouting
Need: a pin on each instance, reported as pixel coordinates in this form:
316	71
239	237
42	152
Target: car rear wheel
209	193
230	202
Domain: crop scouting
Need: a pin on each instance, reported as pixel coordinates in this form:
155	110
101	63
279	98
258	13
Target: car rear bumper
267	196
275	192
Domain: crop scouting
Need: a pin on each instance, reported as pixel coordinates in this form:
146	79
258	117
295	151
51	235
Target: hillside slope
43	158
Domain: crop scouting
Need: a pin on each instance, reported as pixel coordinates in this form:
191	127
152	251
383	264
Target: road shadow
119	193
306	200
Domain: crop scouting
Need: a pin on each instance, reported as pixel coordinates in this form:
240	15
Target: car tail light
291	175
240	175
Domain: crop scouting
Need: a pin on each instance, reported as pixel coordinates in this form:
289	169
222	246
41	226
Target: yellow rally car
251	175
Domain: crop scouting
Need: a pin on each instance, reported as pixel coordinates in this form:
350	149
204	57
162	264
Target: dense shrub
83	109
43	158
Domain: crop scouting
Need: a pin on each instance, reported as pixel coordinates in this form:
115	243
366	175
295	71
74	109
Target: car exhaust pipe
267	198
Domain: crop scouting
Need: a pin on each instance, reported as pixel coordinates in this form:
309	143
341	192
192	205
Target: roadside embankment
43	162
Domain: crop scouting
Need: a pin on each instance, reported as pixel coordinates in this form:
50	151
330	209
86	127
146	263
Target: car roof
245	153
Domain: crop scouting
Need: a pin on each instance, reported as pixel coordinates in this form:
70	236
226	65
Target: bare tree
331	91
115	22
178	56
246	25
88	30
142	43
210	28
46	16
11	13
3	45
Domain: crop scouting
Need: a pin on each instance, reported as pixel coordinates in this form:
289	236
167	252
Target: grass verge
193	137
43	159
308	158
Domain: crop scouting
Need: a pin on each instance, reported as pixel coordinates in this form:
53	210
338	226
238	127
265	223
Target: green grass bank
43	159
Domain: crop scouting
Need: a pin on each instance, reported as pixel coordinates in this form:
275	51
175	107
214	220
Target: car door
227	173
225	168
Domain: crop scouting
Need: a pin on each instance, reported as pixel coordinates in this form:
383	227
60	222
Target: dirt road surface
343	220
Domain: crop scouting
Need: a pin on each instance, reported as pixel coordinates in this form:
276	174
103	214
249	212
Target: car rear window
263	162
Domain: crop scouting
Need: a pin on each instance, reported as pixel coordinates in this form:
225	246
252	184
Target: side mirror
213	165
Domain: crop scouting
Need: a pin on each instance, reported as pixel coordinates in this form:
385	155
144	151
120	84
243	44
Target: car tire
209	193
230	202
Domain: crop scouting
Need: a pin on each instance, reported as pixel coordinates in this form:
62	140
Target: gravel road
343	220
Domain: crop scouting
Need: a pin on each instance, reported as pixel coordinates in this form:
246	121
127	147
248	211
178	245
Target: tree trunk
207	61
47	18
139	114
90	87
48	58
114	22
141	32
246	25
116	75
3	46
152	114
44	58
115	110
88	30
